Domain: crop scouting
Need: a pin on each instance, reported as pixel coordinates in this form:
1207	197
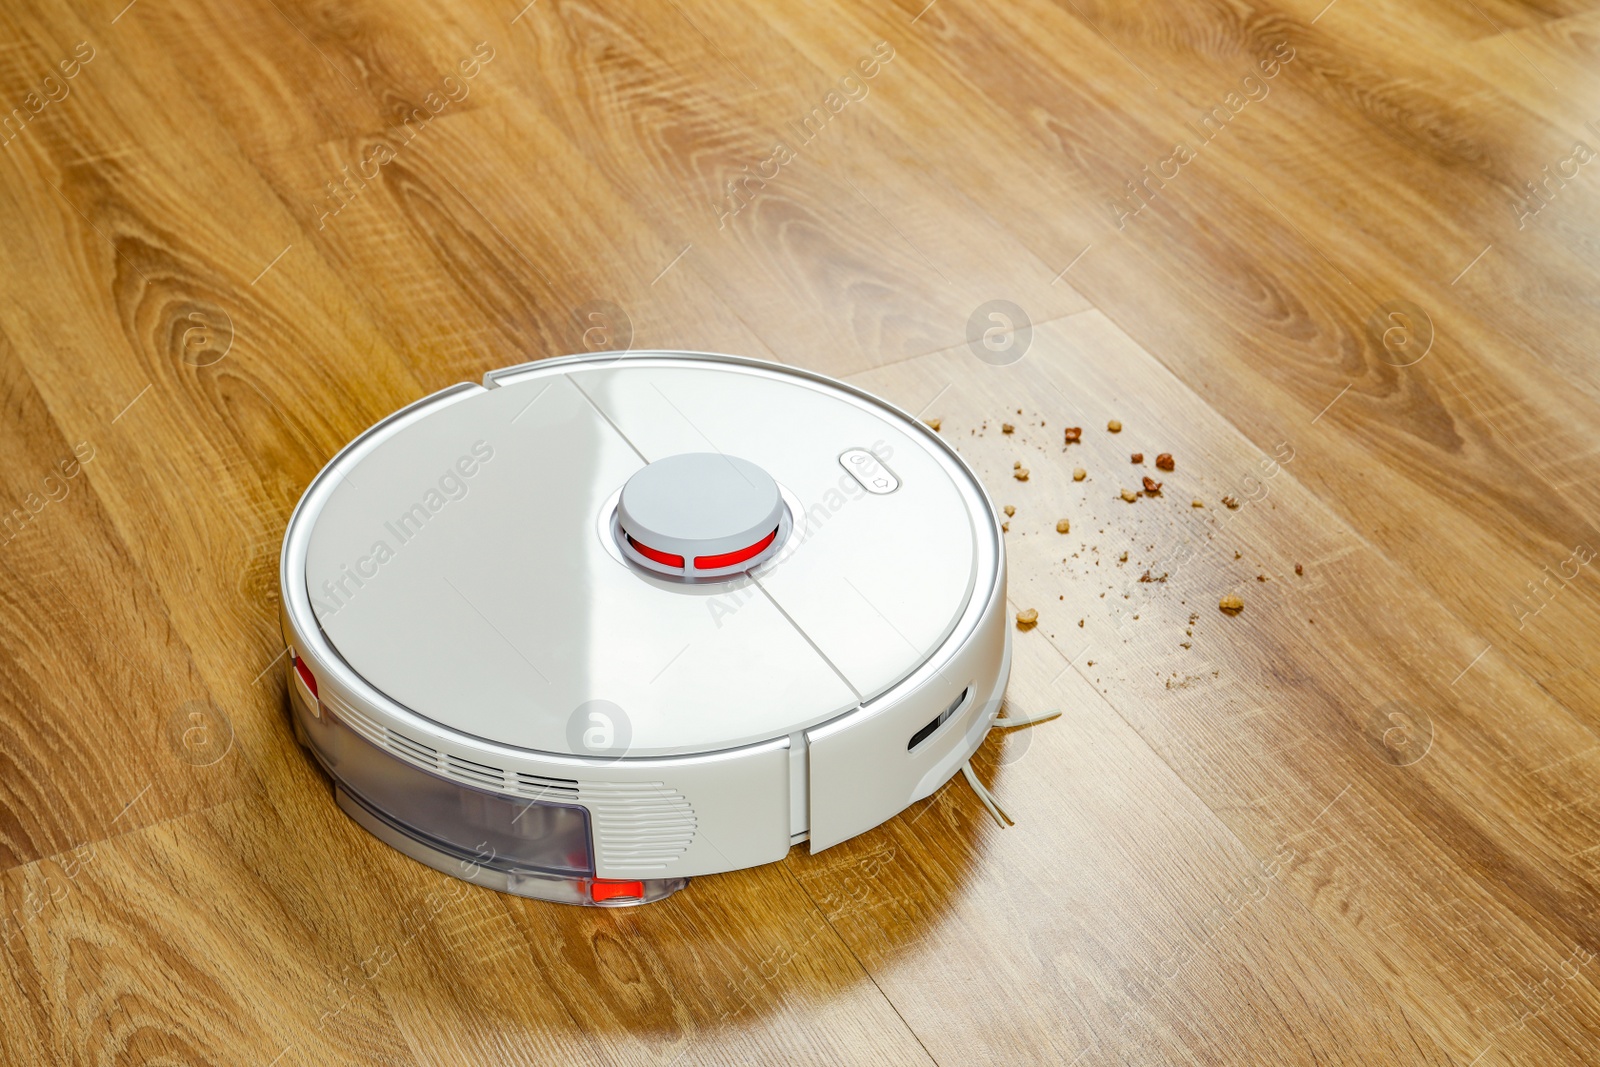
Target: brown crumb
1020	474
1236	556
1148	577
1072	434
1122	558
1230	503
1006	427
1079	474
1138	457
1080	624
1299	569
1164	461
1151	486
1009	510
1196	504
1027	620
1129	495
1261	577
1230	605
933	424
1005	527
1114	426
1063	526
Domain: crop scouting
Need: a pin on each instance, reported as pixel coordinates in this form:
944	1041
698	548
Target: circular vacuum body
606	622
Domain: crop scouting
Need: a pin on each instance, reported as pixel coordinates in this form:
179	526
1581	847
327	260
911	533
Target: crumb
1114	426
1063	526
1230	605
1129	495
1299	569
1164	461
1006	427
1005	527
1230	503
1009	510
1017	465
1072	435
1080	624
1261	577
1151	486
1027	620
1019	411
1185	644
933	424
1196	504
1079	474
1138	457
1236	555
1122	558
1020	474
1147	577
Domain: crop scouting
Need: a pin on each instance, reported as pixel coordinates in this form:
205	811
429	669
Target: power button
869	470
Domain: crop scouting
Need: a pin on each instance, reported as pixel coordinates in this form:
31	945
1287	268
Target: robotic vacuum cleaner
609	621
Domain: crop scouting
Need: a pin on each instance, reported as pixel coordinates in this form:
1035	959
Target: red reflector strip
666	559
305	674
728	559
599	891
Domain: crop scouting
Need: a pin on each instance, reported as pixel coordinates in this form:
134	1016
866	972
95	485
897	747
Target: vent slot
416	750
476	773
938	720
355	719
554	790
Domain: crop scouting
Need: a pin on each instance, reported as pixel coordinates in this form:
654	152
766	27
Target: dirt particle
1230	503
1230	605
1005	527
1079	474
1006	427
1027	620
1122	558
1072	435
1138	457
1151	486
933	424
1063	526
1114	426
1129	495
1009	510
1164	461
1020	473
1197	503
1299	569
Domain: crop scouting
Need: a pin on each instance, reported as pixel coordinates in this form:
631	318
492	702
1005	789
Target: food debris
1079	474
1009	510
1230	503
1072	434
1197	504
1017	465
1230	605
1299	569
1261	577
1005	527
1138	457
1027	620
1122	558
933	424
1147	577
1080	624
1164	461
1020	474
1151	486
1006	427
1129	495
1063	526
1114	426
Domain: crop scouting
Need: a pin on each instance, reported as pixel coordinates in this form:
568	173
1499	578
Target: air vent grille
638	826
474	773
416	750
554	790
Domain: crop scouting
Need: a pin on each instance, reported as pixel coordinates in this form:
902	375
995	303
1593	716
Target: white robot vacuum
609	621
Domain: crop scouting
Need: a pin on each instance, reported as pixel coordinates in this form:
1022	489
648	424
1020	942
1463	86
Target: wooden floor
1293	244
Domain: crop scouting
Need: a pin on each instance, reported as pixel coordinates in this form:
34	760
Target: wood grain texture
1355	824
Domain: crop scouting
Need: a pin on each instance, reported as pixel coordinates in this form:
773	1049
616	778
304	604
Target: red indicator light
728	559
666	559
305	674
599	891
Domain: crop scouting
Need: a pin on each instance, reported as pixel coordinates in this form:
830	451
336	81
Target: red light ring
728	559
666	559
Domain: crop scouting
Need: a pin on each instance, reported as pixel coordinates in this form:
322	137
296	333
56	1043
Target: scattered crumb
1079	474
1063	526
1072	434
1020	474
1147	577
1114	426
933	424
1196	504
1006	427
1299	569
1009	510
1129	495
1080	624
1017	465
1005	527
1185	644
1164	461
1027	620
1151	486
1236	556
1261	577
1138	457
1230	503
1122	558
1230	605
